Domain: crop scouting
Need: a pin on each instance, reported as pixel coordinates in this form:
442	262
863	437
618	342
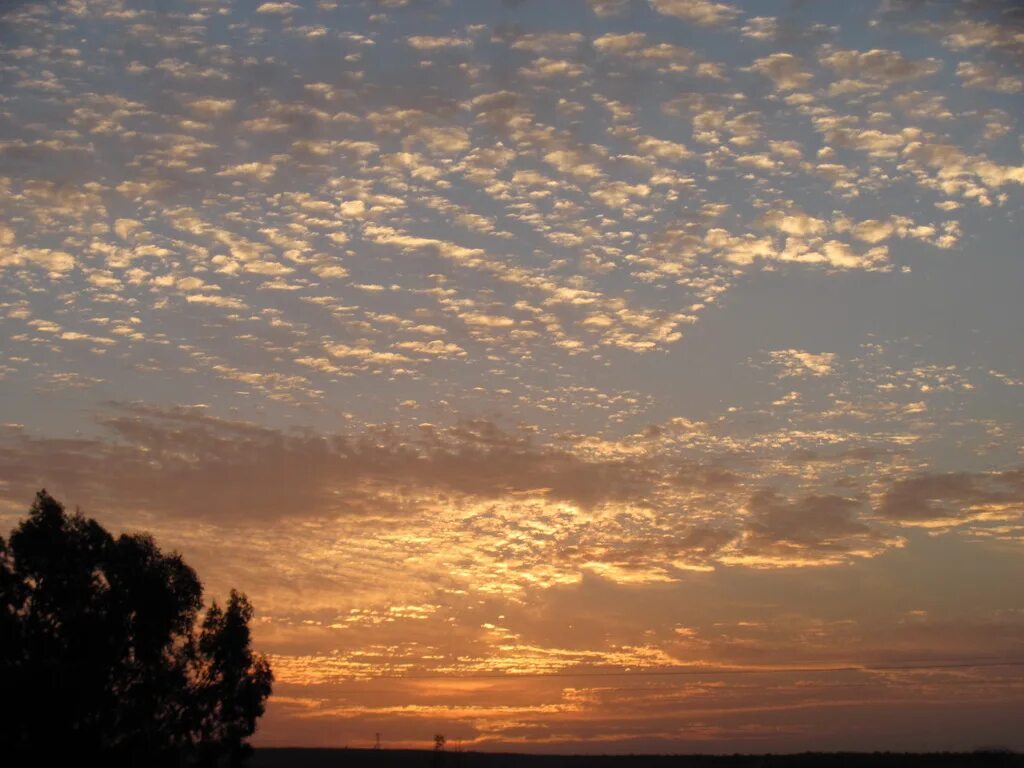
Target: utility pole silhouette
376	741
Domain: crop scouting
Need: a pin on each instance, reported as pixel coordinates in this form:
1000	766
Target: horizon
597	377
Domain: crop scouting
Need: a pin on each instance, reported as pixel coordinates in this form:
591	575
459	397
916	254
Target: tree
235	683
100	654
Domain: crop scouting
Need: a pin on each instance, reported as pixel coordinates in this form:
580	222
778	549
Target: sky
566	376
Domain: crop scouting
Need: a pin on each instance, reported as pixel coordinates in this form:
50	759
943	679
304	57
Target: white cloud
785	70
212	107
428	43
878	65
800	362
988	76
700	12
277	8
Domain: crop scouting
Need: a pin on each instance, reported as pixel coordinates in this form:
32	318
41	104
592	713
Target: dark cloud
809	528
951	495
181	462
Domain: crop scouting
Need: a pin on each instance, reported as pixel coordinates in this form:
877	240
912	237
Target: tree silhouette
100	656
235	683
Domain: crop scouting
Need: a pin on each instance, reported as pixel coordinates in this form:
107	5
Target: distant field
322	758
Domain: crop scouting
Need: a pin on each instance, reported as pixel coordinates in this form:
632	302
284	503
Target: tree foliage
101	656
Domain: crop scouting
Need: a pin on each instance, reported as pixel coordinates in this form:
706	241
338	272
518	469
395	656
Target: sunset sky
556	375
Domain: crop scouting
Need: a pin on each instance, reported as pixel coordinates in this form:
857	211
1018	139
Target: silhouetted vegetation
101	657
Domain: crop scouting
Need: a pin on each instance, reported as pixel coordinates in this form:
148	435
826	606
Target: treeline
107	656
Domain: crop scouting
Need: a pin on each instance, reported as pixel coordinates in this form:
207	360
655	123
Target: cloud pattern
474	341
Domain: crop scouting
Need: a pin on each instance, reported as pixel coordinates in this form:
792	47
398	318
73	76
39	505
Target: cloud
785	70
547	42
761	28
705	13
795	222
223	302
799	362
874	142
632	47
521	223
56	263
543	68
212	107
254	170
608	7
988	76
749	249
812	530
878	65
277	9
435	348
182	463
955	498
428	43
620	43
966	33
634	513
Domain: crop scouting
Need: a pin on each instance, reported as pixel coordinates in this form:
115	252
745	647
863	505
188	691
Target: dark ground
357	758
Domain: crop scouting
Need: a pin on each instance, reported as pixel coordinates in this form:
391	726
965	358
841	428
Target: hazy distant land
321	758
